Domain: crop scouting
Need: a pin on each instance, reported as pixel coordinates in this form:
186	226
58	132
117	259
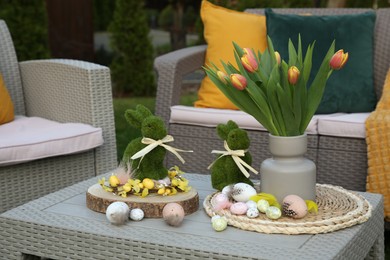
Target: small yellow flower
148	183
145	192
113	180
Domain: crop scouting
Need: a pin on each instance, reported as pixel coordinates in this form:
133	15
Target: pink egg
220	201
239	208
173	214
294	206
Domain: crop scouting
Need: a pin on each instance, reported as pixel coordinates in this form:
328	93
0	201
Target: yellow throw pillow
221	27
6	106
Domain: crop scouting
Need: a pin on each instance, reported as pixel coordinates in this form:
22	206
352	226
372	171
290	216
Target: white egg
227	190
117	213
251	204
252	213
262	205
242	192
137	214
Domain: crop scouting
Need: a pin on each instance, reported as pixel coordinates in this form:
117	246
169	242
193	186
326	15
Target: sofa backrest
381	61
9	68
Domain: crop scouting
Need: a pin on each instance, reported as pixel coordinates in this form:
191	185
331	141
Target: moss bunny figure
146	154
225	170
151	127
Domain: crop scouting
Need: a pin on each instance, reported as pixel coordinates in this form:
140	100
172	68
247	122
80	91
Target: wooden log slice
152	205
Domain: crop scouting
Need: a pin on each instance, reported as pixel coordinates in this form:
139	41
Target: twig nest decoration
137	214
294	206
242	192
173	214
117	213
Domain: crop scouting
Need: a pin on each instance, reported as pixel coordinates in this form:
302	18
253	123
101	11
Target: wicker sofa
340	160
62	91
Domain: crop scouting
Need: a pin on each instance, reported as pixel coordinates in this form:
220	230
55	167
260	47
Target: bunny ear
222	131
144	111
137	116
133	118
232	125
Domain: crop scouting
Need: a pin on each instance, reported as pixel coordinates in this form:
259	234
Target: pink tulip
293	75
338	60
238	81
222	76
277	56
248	60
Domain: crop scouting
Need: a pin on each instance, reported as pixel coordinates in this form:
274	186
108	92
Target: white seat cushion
30	138
211	117
347	125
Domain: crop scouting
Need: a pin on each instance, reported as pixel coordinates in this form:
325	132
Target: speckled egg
242	192
173	214
294	206
238	208
117	213
219	224
252	213
137	214
251	204
220	201
273	212
262	205
227	190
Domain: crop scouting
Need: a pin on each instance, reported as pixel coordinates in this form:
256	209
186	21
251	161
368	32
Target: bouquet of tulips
274	92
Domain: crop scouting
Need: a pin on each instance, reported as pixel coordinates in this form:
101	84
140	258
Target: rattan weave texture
60	226
64	91
340	161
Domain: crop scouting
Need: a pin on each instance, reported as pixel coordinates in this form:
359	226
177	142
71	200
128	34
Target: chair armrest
73	91
171	68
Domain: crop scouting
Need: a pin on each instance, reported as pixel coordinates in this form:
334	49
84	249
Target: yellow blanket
378	148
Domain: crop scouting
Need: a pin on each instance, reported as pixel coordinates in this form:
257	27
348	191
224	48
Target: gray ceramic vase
288	171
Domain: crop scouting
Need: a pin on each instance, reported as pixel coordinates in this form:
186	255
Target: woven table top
337	209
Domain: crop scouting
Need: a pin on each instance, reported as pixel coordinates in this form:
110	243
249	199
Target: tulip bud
238	81
222	76
293	75
277	56
248	60
338	60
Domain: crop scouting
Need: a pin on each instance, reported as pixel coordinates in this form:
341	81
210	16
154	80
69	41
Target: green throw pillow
352	88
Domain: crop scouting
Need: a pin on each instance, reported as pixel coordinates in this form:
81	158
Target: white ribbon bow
236	154
151	144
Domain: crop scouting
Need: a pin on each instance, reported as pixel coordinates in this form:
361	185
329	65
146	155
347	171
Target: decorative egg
117	213
252	213
137	214
214	218
227	190
273	212
173	214
238	208
251	204
242	192
294	206
219	224
220	201
262	205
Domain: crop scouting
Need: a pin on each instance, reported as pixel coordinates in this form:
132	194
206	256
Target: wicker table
60	226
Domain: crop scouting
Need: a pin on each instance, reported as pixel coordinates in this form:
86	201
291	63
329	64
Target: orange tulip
238	81
248	60
293	75
222	76
338	60
277	56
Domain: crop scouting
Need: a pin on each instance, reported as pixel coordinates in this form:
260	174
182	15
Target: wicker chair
340	161
63	91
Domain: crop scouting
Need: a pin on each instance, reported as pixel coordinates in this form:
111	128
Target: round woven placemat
337	209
